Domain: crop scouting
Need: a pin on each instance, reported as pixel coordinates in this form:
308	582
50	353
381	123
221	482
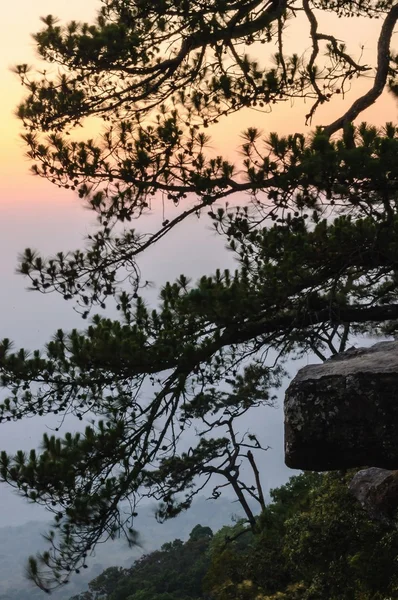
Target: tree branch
383	62
257	478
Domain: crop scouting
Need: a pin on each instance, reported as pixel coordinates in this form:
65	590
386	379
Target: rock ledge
344	413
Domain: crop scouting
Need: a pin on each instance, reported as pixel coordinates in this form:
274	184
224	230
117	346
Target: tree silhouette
315	243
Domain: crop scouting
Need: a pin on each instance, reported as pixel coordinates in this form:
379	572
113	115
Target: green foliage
174	572
315	542
316	249
199	532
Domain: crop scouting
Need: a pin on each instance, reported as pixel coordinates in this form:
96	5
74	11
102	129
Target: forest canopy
312	221
313	542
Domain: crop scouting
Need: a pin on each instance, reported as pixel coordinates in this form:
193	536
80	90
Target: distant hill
17	543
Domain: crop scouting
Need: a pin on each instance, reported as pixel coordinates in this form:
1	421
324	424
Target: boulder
343	413
377	491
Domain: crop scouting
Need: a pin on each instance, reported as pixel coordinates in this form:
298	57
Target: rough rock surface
377	491
344	413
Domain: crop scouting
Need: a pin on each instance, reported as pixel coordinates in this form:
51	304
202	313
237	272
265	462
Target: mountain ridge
17	542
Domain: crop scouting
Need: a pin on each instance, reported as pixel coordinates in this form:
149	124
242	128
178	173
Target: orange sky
21	18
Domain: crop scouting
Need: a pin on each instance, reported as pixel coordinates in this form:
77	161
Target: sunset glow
23	18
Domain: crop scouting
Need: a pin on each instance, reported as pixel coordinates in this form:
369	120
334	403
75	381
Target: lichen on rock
377	491
343	413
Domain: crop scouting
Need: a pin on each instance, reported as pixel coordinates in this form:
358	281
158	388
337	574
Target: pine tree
315	242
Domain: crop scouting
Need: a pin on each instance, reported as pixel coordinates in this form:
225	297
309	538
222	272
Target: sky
35	214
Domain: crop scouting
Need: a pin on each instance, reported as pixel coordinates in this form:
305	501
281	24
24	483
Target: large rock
344	413
377	491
